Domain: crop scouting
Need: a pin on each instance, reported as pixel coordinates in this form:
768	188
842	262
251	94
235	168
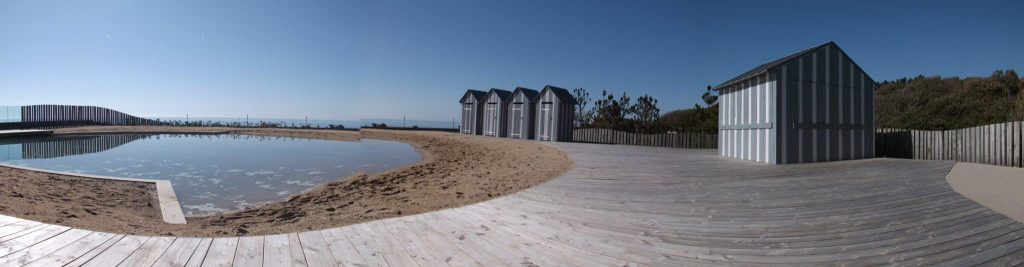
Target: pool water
212	173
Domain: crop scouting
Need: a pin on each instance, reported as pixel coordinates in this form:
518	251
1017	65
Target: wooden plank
473	244
179	252
315	249
221	252
199	255
249	251
277	251
43	248
397	241
5	220
452	253
341	247
14	230
76	249
366	242
295	245
149	252
393	251
30	238
118	252
1020	143
1016	149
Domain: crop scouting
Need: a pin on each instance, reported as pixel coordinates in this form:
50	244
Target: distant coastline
319	123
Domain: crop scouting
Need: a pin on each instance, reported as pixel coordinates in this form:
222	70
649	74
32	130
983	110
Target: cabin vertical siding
828	104
495	119
544	116
521	115
554	117
815	106
492	115
746	120
472	113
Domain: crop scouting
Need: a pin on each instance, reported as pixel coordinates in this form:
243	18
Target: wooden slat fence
996	144
676	140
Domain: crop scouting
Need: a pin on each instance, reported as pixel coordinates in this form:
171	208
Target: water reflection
212	173
60	146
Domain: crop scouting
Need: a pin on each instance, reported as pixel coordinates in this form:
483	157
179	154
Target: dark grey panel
807	74
819	142
792	91
858	148
833	103
870	96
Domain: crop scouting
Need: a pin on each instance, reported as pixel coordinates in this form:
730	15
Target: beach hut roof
562	94
476	94
529	93
502	94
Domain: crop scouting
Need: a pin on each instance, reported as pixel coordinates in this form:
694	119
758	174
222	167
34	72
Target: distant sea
349	124
400	123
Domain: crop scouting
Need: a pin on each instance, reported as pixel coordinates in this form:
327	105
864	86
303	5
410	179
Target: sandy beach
456	170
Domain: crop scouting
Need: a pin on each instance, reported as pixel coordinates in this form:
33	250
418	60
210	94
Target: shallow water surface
212	173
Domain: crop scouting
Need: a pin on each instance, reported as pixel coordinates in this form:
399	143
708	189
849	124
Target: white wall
746	116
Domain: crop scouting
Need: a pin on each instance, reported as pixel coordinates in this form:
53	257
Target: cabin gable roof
763	68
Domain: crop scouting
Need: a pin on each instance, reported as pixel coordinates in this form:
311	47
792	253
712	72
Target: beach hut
472	112
811	106
521	113
555	109
496	112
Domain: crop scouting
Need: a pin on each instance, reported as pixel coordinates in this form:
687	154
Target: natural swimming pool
212	173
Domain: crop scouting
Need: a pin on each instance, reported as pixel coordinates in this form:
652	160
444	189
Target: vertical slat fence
999	144
676	140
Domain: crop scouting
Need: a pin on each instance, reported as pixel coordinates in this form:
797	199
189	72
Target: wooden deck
620	205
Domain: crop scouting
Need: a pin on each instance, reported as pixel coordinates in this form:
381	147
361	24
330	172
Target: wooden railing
677	140
996	144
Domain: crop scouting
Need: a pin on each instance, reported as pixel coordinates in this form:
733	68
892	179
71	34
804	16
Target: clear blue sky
386	59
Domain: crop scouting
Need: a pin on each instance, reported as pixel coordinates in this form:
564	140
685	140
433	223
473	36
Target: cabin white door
545	120
491	119
518	121
467	118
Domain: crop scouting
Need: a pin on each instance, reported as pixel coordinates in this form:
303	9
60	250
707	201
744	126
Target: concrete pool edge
167	201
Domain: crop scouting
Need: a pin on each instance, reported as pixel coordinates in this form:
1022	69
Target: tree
699	118
584	114
645	113
609	112
709	97
943	103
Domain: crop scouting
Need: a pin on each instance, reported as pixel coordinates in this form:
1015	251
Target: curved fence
995	144
65	115
677	140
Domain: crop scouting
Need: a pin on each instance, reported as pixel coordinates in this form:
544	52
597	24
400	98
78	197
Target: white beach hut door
489	118
517	120
545	121
467	118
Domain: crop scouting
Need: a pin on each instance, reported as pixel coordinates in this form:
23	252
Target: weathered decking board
620	205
